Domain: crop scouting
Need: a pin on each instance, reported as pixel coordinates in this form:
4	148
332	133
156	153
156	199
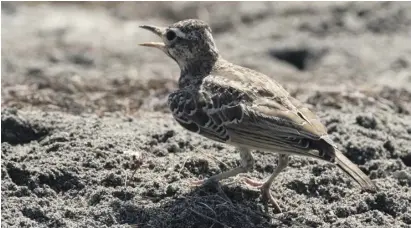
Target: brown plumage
239	106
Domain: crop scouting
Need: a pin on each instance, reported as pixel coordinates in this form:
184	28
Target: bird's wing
200	112
268	117
266	124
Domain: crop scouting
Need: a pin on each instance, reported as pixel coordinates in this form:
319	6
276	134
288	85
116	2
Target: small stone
171	190
173	148
366	121
160	152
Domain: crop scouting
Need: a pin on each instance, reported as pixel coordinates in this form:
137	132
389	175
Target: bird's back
245	79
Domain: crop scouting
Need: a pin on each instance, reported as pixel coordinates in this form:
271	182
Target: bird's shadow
204	206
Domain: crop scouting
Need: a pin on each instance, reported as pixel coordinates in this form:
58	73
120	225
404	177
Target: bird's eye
171	35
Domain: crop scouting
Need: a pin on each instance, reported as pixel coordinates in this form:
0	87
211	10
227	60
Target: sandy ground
87	140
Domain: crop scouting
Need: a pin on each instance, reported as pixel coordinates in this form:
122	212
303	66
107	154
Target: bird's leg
265	187
247	164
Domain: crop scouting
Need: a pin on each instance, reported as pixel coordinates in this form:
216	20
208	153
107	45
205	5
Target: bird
241	107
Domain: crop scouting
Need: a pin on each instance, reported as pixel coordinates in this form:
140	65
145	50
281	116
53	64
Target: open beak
159	32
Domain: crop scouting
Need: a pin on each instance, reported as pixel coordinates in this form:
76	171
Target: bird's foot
268	198
253	183
265	193
197	183
206	181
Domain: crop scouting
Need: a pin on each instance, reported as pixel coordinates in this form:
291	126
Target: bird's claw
267	197
207	181
265	193
197	183
253	183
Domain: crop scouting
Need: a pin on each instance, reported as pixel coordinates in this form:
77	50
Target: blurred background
84	57
65	65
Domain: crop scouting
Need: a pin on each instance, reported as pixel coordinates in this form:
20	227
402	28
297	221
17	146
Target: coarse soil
88	140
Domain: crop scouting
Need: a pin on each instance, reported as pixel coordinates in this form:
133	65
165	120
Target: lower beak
156	30
153	44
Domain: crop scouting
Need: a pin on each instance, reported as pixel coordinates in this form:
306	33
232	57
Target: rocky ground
87	140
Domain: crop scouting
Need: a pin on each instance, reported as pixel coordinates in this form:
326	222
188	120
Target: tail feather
352	170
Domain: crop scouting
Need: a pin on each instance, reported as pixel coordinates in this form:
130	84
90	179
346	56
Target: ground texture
87	139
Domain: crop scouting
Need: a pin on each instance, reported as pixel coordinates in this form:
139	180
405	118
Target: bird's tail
353	171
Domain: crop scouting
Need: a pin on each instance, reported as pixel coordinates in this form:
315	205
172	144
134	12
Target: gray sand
87	139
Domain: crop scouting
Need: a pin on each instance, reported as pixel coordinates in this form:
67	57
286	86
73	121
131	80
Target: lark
242	107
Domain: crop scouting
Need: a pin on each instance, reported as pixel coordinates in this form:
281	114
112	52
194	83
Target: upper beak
156	30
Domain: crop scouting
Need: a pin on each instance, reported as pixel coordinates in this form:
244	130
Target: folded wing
202	113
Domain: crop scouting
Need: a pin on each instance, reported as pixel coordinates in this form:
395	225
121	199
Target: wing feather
207	115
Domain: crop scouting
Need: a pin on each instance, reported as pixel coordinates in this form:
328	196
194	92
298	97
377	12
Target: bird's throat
193	72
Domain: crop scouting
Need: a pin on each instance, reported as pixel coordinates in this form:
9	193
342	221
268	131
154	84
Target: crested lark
239	106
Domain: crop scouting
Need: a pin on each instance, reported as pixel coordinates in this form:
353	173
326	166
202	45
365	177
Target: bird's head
187	42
